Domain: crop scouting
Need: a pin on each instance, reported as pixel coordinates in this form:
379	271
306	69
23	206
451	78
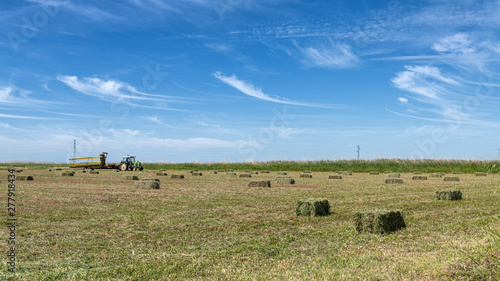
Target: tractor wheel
123	167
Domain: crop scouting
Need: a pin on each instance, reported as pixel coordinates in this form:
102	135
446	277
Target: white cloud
25	117
113	90
5	94
458	43
330	56
403	100
251	90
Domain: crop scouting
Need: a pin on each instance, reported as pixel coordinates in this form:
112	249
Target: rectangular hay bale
259	184
285	180
177	176
148	184
306	176
391	181
419	178
394	175
335	177
312	207
451	179
449	195
197	174
477	174
379	221
24	178
131	177
245	176
94	172
68	174
161	174
374	173
436	175
282	173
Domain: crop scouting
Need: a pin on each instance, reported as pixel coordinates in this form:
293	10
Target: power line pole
358	151
74	148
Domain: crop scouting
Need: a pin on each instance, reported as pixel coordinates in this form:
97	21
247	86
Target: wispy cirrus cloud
13	116
13	96
251	90
331	56
456	85
113	90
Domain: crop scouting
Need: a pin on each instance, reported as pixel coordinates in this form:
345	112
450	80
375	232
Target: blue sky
249	80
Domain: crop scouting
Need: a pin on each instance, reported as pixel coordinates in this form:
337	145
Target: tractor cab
128	159
130	164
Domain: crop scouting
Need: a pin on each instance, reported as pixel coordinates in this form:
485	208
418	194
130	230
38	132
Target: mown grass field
214	227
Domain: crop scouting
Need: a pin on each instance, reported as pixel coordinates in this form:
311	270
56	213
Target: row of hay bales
378	221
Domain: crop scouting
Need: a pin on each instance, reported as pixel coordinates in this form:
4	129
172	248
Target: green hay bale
394	175
436	175
94	172
197	174
392	181
83	171
451	179
285	180
264	172
449	195
379	221
148	184
335	177
177	176
245	176
480	174
24	178
58	169
19	171
419	178
417	173
68	174
161	174
50	170
457	173
131	177
282	173
374	173
306	176
259	184
254	172
231	174
312	207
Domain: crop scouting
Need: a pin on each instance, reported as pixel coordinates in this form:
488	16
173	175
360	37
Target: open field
214	227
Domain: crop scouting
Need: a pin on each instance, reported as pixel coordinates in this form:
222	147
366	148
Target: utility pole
358	151
74	148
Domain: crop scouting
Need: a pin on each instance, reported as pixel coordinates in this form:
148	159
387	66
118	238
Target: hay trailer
129	164
91	163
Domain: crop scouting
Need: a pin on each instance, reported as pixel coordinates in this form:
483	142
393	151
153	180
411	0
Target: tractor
129	164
